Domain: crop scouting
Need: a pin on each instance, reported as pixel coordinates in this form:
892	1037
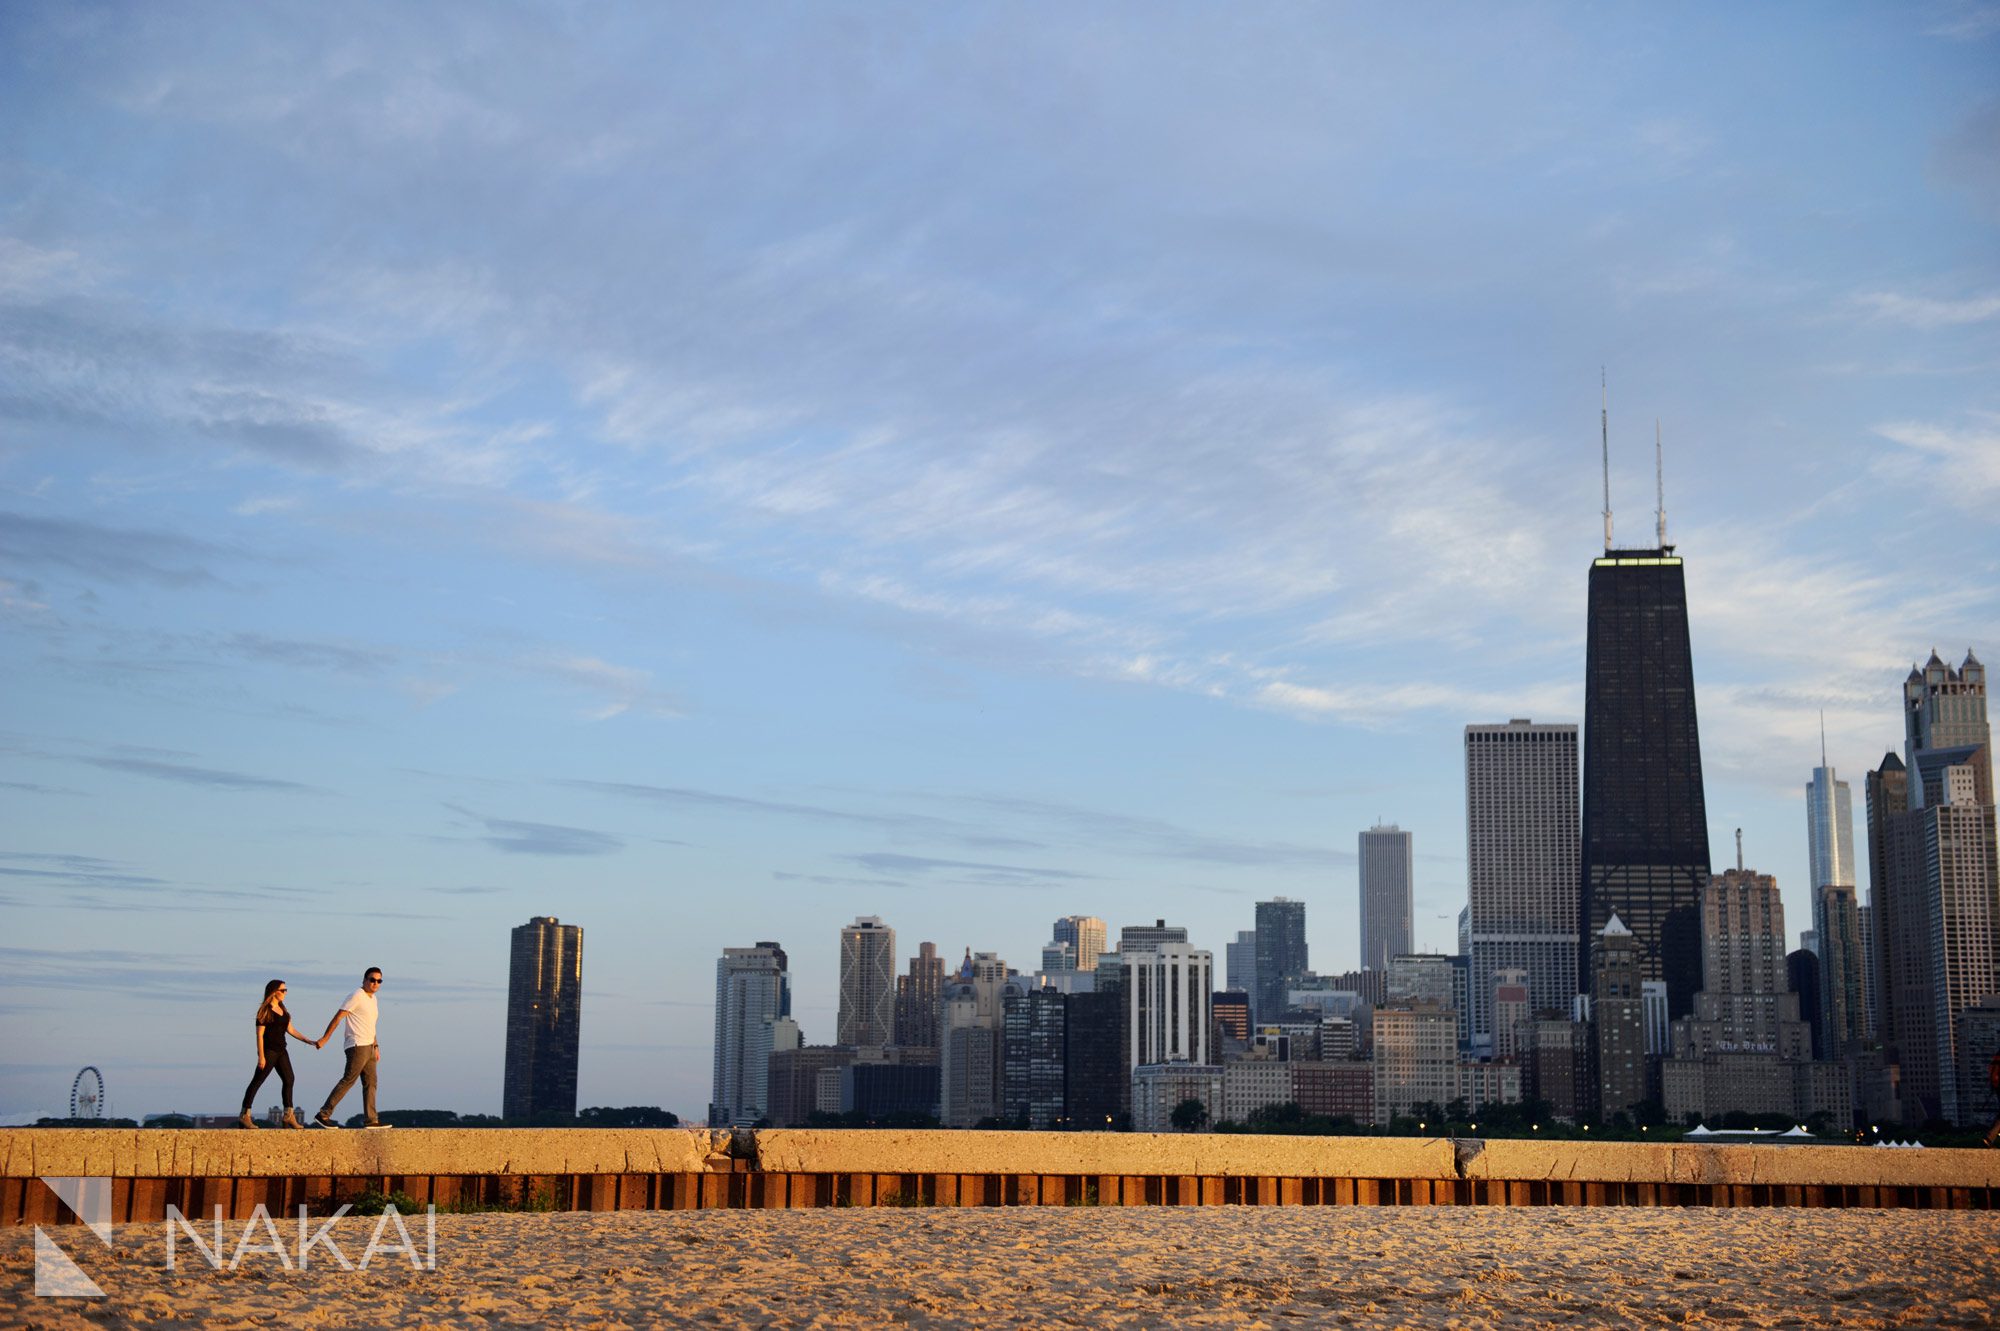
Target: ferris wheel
86	1094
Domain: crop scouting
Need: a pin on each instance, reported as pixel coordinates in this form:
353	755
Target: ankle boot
292	1119
246	1120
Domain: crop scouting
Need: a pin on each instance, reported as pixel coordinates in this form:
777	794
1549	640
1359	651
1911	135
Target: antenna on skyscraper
1822	737
1659	483
1604	427
1739	850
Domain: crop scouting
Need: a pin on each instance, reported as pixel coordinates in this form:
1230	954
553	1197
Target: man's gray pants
360	1066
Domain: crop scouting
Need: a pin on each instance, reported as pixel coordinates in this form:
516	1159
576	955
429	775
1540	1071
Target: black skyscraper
1281	955
1645	823
544	1019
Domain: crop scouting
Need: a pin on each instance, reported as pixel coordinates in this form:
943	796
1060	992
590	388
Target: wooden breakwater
687	1169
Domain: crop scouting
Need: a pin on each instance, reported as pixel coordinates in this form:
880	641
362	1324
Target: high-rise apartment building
1645	818
1522	842
753	992
1618	1018
1035	1025
919	999
1415	1060
1387	895
1748	1047
544	1018
1169	1003
1938	901
1281	955
1087	937
1746	1002
867	983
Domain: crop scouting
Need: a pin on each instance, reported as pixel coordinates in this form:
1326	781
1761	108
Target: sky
710	473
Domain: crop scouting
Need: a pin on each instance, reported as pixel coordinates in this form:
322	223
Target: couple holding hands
274	1023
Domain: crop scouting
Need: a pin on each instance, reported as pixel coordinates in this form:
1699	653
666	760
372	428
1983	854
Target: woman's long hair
271	988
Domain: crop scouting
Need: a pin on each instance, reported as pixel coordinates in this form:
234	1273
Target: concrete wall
616	1169
319	1153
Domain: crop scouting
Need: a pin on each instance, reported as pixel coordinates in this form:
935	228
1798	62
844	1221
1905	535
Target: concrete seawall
648	1169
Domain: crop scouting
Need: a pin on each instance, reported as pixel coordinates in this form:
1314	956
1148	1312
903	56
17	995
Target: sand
1041	1267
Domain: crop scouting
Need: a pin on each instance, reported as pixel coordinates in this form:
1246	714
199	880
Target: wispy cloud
621	689
1961	462
1926	312
886	862
520	837
1963	20
113	554
185	774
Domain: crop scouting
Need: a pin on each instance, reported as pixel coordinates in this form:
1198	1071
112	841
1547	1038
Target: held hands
320	1043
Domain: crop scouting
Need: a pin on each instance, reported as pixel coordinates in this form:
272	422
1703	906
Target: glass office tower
1645	822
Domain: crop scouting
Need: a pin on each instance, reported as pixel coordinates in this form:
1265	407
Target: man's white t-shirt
360	1006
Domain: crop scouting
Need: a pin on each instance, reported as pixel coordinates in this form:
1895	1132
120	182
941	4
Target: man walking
358	1011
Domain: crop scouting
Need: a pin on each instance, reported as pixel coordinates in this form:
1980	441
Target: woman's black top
275	1024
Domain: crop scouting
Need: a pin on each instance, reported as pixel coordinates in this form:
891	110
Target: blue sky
707	474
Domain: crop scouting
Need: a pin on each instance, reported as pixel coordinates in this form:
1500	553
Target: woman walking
274	1023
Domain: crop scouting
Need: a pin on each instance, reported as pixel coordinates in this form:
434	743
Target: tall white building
867	983
752	998
1837	940
1169	1003
1523	851
1829	828
1387	890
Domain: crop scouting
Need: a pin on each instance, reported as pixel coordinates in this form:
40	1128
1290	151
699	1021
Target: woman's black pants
280	1063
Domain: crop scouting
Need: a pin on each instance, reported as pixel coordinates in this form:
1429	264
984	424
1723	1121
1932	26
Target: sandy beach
1247	1267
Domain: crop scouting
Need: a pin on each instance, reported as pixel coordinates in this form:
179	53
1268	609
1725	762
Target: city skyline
636	477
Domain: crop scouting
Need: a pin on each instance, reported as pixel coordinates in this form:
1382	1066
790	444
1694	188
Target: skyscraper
1645	819
1386	895
753	992
1521	846
1903	1018
544	1018
1240	962
1942	886
1829	828
1281	955
1840	1016
1746	1001
1087	936
867	983
1036	1030
1169	1003
1618	1018
919	999
971	1059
